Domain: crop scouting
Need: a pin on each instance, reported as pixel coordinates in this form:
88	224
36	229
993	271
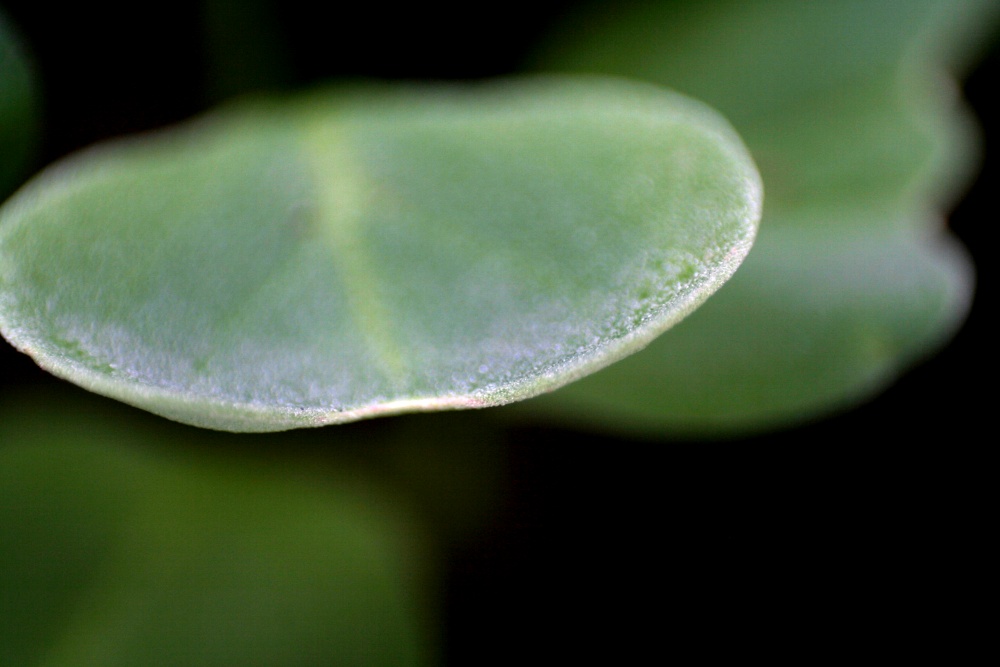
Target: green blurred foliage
127	540
18	109
862	144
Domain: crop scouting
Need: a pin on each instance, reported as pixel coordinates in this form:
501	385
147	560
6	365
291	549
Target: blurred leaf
18	112
367	252
126	543
860	141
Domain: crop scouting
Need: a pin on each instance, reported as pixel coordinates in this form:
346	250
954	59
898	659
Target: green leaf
18	113
861	143
813	322
374	250
129	541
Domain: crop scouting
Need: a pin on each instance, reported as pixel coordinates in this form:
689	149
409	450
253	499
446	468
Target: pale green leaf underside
860	143
374	250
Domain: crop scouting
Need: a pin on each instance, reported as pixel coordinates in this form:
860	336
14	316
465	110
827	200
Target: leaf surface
372	250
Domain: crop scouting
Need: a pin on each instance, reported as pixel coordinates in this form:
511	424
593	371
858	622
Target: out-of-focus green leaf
121	545
806	328
861	141
367	252
18	121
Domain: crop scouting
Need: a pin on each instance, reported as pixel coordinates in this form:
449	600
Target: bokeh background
574	539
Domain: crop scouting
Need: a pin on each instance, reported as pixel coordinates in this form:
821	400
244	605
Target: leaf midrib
342	194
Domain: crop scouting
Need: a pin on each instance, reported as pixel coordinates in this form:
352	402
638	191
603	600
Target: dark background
880	513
